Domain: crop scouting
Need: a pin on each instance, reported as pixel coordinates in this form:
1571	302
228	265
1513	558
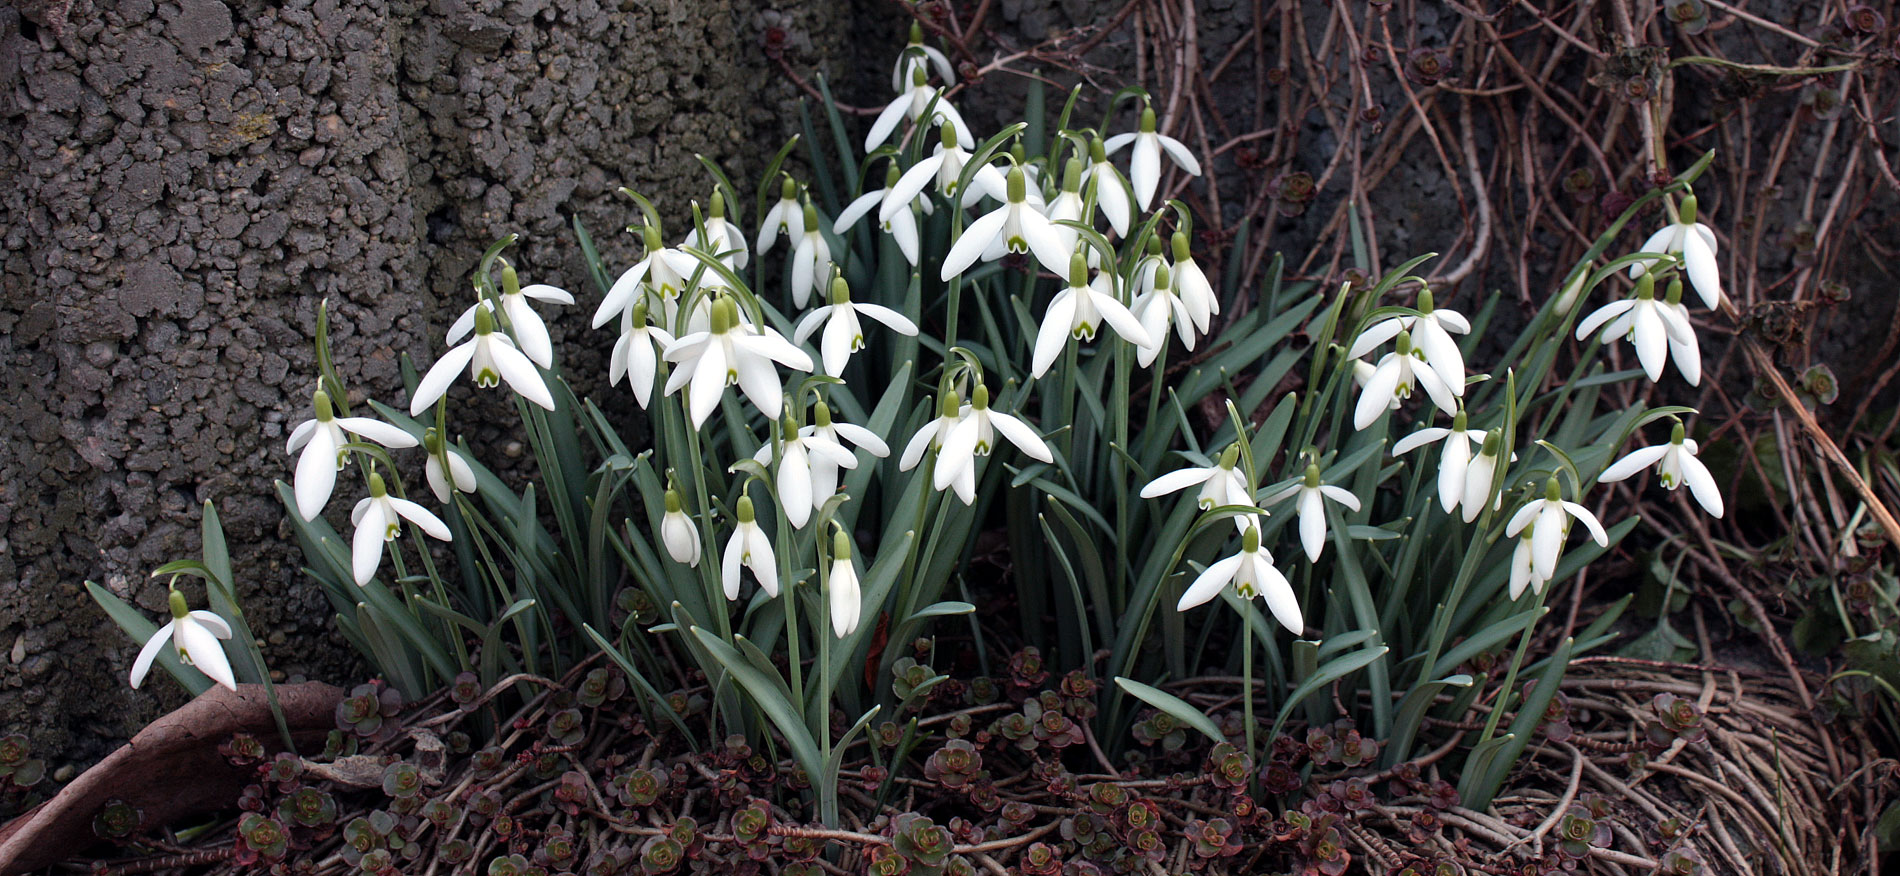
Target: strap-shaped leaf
1177	708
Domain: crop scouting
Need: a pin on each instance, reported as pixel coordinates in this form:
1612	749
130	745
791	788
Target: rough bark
182	181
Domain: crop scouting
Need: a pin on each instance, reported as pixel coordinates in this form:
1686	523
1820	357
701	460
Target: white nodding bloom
1310	508
1109	187
678	533
446	470
1676	464
1454	457
1252	573
750	548
1694	243
910	104
531	334
731	351
931	437
841	586
1394	378
824	472
636	354
1220	484
194	635
1190	283
786	217
1144	166
811	260
799	493
1431	338
1159	307
1067	206
1017	226
1078	311
844	332
322	439
378	519
901	224
662	273
945	167
975	434
915	56
1659	330
1544	523
722	238
489	357
1481	474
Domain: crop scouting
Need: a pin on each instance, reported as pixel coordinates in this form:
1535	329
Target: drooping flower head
1144	167
677	531
378	519
1543	525
1311	508
323	441
1078	310
531	334
1694	242
1393	379
489	357
1656	328
731	351
721	237
844	332
1015	227
1676	464
1252	573
1454	457
751	549
446	470
841	587
194	635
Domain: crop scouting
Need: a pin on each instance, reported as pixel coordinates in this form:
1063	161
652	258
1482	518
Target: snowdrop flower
824	472
1108	187
446	470
1221	483
915	56
678	533
975	435
1158	308
1144	168
729	352
530	332
489	357
1524	569
662	272
378	519
322	438
1431	336
1394	378
797	491
1544	523
1252	573
910	104
787	217
1694	242
811	260
1067	206
1311	508
902	224
1655	328
1676	464
750	548
932	436
946	167
844	333
1078	310
1454	458
1573	290
636	354
195	635
1480	474
1016	226
1190	283
847	601
722	238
